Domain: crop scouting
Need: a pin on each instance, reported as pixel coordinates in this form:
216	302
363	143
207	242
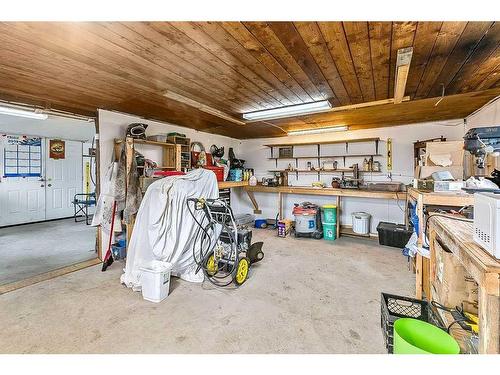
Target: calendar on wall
22	156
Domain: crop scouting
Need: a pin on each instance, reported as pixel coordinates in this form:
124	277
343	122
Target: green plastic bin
329	231
412	336
329	214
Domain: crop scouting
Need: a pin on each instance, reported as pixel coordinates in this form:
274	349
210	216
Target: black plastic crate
394	307
392	234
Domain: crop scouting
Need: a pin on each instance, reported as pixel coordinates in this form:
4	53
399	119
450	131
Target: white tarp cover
164	230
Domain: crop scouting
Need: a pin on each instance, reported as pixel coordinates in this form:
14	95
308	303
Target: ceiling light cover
294	110
319	130
11	111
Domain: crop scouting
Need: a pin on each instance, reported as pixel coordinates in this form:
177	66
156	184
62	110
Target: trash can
329	231
412	336
361	222
329	214
155	281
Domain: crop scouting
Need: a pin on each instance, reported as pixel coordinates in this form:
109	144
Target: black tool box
392	234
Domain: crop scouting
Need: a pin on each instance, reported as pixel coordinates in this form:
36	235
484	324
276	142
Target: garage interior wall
113	125
256	156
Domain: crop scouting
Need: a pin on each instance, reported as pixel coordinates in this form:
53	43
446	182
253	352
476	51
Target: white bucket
155	281
361	222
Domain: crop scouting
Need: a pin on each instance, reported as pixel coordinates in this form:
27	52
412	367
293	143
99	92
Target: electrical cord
450	310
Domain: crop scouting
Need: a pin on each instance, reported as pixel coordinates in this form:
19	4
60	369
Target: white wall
381	210
52	127
113	125
489	115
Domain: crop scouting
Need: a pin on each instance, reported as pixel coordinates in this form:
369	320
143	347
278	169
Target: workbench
422	199
337	193
456	237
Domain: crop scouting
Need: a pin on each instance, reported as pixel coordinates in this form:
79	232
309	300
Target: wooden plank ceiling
239	67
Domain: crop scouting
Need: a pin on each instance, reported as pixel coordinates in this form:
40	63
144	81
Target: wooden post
489	315
280	205
129	153
419	260
338	215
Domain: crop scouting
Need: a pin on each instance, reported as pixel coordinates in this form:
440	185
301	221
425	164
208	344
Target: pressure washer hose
205	249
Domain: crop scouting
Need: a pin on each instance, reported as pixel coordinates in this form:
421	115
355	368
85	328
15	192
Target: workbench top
232	184
360	193
459	234
459	198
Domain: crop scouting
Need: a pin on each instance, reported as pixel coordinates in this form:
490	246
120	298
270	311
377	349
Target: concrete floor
32	249
306	296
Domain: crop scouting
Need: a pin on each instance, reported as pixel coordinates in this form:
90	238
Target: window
22	156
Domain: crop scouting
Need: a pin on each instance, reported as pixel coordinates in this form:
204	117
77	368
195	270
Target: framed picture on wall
57	149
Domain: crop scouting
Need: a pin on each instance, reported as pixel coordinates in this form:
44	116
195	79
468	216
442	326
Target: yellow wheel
242	271
212	266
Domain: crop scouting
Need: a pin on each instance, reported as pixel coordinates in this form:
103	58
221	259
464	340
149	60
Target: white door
22	193
63	180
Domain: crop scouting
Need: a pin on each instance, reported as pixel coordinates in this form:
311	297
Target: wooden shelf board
328	156
358	140
320	171
347	231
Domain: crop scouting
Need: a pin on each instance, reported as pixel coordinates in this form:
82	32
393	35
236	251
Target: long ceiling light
294	110
35	114
403	60
319	130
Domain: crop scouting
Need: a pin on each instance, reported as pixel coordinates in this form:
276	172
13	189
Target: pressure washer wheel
242	271
211	266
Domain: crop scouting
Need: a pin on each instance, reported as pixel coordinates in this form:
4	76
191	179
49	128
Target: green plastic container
329	214
329	231
412	336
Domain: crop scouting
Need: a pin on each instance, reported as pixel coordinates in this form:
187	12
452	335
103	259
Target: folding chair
81	203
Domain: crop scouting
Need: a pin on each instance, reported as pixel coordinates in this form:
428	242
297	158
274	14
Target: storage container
393	307
361	222
329	231
261	223
155	281
412	336
329	214
219	172
392	234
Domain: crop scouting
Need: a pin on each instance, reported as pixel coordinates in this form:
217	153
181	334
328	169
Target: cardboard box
455	150
426	171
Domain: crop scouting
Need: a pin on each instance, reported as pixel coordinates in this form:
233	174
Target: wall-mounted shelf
338	170
356	140
327	156
289	155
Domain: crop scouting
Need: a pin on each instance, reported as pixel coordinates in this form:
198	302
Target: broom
108	259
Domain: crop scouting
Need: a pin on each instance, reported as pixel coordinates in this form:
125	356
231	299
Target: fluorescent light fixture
293	110
11	111
319	130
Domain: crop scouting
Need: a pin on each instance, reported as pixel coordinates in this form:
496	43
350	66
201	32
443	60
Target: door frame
9	287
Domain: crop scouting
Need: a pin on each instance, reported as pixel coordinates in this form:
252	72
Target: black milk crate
394	307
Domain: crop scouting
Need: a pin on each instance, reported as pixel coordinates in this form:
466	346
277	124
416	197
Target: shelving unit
185	156
320	157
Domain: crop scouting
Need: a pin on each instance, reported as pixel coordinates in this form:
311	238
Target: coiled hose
205	238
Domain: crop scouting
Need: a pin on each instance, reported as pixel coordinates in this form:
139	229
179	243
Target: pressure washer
222	249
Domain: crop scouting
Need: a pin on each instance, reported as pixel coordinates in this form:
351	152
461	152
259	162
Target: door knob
49	185
42	185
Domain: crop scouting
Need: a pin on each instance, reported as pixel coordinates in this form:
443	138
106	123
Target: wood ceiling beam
202	107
